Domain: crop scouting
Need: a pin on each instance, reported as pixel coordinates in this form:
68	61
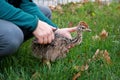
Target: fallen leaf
84	67
76	76
70	61
103	34
47	63
96	54
106	57
98	1
74	3
52	7
89	60
59	9
95	23
118	8
70	24
79	5
56	8
85	1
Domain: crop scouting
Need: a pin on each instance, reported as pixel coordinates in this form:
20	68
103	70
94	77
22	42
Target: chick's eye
83	27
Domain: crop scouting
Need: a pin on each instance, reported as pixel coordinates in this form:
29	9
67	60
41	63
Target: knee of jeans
50	13
47	11
10	47
11	44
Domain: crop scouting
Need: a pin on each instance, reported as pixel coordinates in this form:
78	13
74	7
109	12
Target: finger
68	35
73	29
45	40
49	37
53	36
53	28
40	37
40	40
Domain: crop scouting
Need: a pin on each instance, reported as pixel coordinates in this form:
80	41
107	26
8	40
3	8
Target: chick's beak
89	30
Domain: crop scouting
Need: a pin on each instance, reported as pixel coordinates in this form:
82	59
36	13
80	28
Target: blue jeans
11	36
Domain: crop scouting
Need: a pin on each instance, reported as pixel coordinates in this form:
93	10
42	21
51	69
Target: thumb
53	28
73	29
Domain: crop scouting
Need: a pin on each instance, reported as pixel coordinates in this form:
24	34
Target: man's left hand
66	31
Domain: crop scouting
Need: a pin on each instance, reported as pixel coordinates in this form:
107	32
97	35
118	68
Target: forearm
17	16
33	9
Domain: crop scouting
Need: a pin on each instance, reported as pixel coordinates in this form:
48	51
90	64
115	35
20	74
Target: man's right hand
44	32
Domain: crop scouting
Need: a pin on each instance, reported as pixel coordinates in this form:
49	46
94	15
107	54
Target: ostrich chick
59	46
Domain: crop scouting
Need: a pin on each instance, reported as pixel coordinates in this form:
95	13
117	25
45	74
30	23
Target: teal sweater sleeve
33	9
17	16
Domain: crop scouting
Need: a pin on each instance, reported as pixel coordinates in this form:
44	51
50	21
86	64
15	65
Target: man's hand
66	31
44	33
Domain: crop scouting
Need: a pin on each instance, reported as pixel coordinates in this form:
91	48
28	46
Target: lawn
96	58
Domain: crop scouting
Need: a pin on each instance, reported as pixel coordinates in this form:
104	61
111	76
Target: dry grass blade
84	67
96	37
76	76
35	76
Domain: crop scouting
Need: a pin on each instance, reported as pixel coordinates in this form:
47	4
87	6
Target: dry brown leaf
118	8
89	60
47	63
95	23
98	1
107	57
102	53
70	61
52	7
84	67
70	24
85	1
79	5
76	76
103	34
96	54
74	3
58	7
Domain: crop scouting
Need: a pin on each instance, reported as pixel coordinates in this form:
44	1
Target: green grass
23	66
